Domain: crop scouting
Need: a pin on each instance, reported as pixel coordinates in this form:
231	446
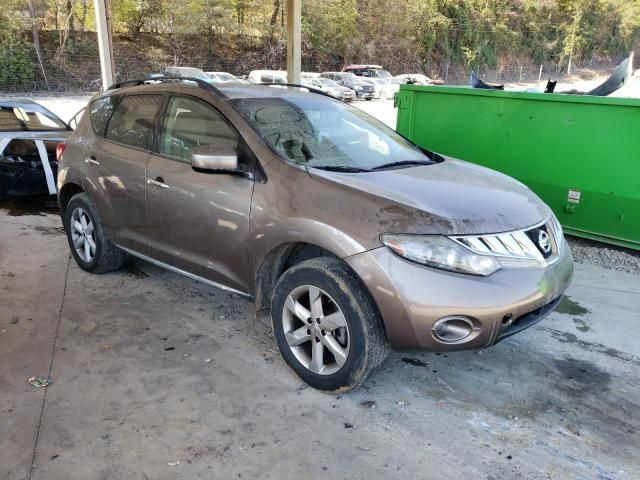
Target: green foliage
16	69
329	25
9	25
411	33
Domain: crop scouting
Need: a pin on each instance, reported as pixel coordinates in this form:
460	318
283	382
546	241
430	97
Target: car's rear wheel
327	326
90	246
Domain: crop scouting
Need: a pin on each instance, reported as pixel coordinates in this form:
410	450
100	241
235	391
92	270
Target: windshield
328	82
29	118
188	72
383	74
318	132
225	77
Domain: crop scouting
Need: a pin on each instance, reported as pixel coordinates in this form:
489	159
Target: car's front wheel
327	326
90	246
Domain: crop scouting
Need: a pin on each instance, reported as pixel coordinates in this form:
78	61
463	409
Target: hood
448	198
342	89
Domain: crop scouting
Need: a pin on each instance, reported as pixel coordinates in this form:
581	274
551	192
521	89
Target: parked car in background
384	89
267	76
350	236
363	89
192	72
29	135
332	88
309	75
418	79
370	71
221	77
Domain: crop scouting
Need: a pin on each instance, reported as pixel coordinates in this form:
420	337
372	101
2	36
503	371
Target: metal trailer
579	153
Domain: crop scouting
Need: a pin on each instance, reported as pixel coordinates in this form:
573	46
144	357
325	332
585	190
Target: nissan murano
352	238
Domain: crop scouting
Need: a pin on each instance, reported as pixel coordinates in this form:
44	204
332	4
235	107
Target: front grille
541	243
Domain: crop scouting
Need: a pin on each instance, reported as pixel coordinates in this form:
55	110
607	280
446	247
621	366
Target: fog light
453	329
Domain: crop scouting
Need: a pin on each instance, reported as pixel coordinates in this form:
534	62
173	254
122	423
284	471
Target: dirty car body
29	134
308	196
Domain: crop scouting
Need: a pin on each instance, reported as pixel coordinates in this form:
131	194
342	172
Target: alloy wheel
316	330
83	235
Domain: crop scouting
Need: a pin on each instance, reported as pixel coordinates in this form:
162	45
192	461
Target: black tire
107	257
368	347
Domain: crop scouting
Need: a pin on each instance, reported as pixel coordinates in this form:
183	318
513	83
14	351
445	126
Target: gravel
604	255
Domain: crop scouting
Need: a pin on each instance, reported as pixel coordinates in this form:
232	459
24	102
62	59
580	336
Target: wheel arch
65	194
275	263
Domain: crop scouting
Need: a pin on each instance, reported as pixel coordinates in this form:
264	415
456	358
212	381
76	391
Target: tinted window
189	124
101	110
132	122
28	118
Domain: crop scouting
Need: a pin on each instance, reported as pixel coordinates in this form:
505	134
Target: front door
198	222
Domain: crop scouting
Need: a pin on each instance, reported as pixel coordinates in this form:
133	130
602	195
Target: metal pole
294	40
520	81
540	74
104	43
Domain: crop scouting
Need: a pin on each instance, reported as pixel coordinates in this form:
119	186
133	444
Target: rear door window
132	122
191	123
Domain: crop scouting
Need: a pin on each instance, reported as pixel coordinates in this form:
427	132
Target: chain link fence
76	67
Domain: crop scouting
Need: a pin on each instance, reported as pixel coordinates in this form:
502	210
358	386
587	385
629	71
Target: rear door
198	222
115	165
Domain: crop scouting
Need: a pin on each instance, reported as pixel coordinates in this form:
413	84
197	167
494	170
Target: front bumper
412	298
365	95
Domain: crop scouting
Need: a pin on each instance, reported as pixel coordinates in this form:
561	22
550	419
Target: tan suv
353	238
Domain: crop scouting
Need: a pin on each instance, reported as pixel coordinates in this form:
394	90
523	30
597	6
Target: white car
384	88
268	76
221	77
193	72
417	79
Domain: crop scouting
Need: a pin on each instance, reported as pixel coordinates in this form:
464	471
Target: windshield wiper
404	163
341	168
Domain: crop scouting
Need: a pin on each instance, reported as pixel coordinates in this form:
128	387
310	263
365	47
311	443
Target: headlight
440	252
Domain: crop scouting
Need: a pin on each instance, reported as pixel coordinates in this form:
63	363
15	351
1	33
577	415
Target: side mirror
215	158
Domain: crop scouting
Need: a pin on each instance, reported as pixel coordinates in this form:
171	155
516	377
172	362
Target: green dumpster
580	154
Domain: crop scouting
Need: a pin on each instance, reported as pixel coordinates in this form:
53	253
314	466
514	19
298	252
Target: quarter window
189	124
101	111
132	122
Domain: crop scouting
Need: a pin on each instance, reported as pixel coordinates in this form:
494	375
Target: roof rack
141	81
207	86
311	89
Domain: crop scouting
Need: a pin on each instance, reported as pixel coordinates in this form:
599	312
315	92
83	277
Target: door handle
158	182
91	160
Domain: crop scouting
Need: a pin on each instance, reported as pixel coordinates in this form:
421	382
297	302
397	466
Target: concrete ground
151	369
158	377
